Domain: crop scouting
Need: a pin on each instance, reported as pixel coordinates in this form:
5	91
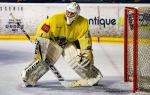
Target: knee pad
34	72
49	49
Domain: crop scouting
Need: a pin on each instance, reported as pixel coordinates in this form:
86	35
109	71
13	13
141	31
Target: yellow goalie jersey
56	26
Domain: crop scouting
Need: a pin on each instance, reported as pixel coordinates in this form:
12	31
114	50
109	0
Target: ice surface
16	55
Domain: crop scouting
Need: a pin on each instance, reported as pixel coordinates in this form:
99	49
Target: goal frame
135	46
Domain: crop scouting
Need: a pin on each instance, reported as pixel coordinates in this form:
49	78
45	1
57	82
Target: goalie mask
72	11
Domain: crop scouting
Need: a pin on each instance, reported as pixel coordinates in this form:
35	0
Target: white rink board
103	18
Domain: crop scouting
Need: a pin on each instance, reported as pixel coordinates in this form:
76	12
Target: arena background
106	20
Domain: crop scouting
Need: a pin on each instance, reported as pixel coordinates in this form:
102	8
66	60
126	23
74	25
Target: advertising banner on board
105	20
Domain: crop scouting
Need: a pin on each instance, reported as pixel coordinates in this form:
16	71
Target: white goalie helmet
72	11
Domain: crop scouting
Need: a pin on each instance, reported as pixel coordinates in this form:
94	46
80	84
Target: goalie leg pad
70	52
84	68
54	52
80	64
34	72
86	81
49	49
94	79
90	76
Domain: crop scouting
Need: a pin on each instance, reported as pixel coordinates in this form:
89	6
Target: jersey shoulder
57	19
57	16
82	19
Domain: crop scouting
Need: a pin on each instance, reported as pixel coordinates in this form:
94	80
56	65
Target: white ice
16	55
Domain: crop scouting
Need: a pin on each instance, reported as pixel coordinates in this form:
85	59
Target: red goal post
136	47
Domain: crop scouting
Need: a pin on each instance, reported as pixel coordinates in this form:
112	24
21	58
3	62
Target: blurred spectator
31	1
79	1
89	1
8	0
134	1
40	1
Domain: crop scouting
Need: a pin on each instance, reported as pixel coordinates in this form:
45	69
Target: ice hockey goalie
65	34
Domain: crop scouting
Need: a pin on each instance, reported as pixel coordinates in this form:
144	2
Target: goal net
137	47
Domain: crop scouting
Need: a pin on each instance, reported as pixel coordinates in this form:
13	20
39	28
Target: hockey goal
137	47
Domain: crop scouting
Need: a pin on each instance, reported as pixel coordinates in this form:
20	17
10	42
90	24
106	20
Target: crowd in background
79	1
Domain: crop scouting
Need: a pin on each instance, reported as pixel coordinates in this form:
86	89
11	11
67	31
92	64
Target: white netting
143	47
130	45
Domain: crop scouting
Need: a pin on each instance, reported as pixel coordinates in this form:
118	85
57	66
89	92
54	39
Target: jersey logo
45	28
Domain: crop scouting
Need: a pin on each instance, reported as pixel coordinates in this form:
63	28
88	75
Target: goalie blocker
80	61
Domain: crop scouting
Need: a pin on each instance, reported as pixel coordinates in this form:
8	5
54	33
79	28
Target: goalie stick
25	33
51	66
